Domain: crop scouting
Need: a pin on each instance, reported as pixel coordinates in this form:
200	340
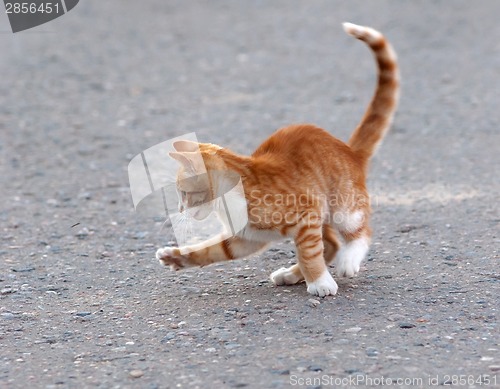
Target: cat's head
196	186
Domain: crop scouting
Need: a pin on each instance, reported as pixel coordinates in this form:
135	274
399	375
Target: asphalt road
84	303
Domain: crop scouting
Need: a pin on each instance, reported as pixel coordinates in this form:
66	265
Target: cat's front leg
311	262
182	257
207	252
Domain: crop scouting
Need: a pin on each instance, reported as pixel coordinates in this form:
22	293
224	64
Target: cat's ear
180	157
185	145
192	161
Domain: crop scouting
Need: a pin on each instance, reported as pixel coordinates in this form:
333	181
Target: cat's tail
378	117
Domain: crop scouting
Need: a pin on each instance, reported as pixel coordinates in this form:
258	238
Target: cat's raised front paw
171	256
325	285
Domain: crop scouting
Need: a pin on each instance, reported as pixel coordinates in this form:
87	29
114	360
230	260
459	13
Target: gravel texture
83	302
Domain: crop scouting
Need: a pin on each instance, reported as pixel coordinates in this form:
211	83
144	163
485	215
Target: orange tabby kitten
300	183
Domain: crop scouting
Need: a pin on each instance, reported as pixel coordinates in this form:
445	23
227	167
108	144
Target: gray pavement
88	306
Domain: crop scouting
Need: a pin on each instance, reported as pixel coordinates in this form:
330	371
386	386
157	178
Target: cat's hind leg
330	242
351	254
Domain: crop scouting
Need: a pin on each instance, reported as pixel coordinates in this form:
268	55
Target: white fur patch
362	32
325	285
353	221
350	256
164	253
285	276
348	221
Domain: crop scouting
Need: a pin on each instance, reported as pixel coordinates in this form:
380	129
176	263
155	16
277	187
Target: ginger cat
300	183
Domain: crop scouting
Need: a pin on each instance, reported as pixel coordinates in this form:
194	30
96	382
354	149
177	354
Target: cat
301	183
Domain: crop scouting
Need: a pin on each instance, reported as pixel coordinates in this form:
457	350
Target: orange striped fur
301	183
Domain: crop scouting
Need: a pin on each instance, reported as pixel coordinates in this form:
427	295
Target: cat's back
300	141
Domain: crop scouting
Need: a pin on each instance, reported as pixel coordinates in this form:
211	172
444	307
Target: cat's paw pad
171	256
285	276
325	285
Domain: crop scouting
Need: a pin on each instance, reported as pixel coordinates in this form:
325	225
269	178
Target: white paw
349	257
285	276
171	256
325	285
346	268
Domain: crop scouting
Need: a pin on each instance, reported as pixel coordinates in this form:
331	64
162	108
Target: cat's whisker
183	226
164	224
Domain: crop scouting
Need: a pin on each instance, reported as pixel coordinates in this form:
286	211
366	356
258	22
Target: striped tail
378	117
